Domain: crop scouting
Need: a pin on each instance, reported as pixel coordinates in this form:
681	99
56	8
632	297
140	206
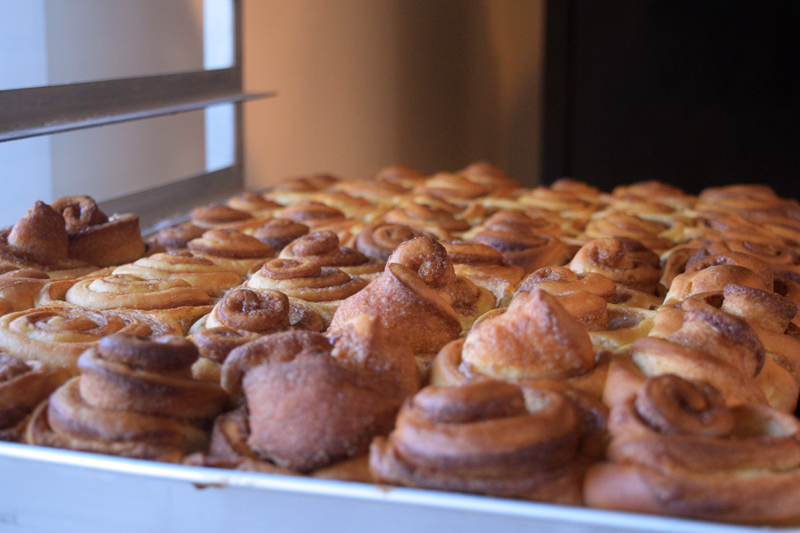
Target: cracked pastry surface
311	402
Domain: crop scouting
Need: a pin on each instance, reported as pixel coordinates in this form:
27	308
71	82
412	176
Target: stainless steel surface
171	203
45	489
60	108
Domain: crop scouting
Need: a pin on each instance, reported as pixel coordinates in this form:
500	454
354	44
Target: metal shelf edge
76	123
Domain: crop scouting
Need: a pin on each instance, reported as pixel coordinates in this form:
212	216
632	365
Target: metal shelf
60	108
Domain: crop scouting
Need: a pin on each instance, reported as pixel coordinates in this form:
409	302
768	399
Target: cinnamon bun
489	437
231	249
312	403
323	288
134	398
323	247
678	450
199	272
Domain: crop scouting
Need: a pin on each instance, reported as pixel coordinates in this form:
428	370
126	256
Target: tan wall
366	83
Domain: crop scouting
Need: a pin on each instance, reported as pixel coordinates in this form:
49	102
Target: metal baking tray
44	489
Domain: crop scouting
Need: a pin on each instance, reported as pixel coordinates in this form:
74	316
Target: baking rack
53	109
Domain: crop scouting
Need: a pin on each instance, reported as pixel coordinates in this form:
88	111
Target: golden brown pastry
253	203
743	198
698	342
621	223
654	191
297	189
491	437
623	261
613	316
745	212
231	249
769	315
98	239
355	207
312	214
39	240
433	220
673	261
785	226
23	385
484	266
727	225
407	306
319	217
678	450
706	273
782	259
199	272
490	176
40	232
789	289
79	212
22	288
429	260
640	218
508	219
323	288
400	175
173	299
520	246
558	280
457	189
214	345
243	315
380	240
702	260
378	192
311	403
219	216
278	232
536	338
263	311
574	186
175	237
323	247
135	397
566	203
58	335
432	202
713	278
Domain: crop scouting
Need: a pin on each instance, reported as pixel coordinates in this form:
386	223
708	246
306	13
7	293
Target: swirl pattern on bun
489	437
678	450
135	397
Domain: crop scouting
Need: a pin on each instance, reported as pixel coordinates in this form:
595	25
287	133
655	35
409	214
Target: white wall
97	39
24	164
63	41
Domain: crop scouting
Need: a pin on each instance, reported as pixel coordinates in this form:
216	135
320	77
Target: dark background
695	94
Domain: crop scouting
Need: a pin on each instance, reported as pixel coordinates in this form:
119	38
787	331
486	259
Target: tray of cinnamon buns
452	350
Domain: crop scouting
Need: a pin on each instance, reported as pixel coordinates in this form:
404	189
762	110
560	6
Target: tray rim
206	477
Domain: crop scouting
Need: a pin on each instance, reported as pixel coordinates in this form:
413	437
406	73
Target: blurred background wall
362	84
